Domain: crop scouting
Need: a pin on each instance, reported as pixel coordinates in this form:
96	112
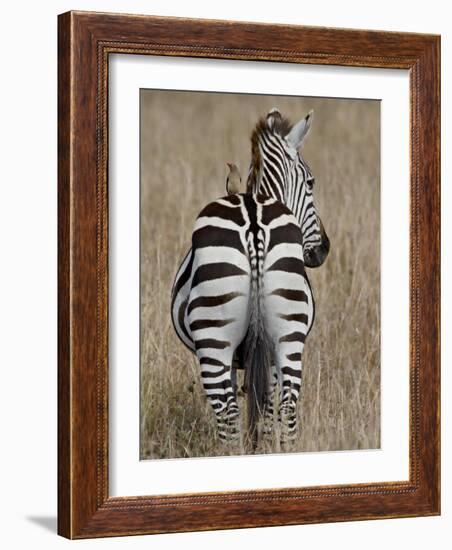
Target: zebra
242	291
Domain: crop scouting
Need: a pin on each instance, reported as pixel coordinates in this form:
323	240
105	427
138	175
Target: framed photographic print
248	275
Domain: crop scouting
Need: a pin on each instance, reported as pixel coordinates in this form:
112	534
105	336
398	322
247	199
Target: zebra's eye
310	183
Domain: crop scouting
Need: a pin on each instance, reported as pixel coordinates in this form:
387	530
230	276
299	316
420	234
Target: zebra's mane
280	126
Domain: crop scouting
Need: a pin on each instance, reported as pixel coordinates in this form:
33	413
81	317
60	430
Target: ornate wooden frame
85	41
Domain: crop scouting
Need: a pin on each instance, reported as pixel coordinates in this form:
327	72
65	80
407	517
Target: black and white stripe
243	284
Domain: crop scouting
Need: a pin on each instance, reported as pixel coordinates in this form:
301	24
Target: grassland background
186	140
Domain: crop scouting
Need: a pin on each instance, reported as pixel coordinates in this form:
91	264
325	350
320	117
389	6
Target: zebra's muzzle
317	255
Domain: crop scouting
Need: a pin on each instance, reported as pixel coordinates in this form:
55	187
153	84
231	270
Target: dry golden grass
186	141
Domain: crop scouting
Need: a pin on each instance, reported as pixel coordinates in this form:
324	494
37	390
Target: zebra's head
278	170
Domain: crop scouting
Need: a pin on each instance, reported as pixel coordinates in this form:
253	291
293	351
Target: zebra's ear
300	130
272	117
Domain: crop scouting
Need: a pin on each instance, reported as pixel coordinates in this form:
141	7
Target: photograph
224	234
259	274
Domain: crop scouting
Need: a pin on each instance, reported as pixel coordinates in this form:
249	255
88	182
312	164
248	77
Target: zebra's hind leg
216	377
290	391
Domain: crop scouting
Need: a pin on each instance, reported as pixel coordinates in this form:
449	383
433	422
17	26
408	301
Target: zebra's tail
258	345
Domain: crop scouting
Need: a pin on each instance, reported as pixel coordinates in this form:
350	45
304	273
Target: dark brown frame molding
85	41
